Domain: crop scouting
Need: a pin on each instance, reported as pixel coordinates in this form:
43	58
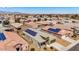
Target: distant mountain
7	12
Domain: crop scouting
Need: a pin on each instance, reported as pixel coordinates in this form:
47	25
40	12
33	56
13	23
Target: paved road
75	48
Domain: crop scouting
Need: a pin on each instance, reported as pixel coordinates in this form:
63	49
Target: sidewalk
57	46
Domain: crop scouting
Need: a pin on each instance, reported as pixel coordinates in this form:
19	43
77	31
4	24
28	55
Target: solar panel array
54	30
33	33
2	36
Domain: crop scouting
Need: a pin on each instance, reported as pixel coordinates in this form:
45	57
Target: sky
42	10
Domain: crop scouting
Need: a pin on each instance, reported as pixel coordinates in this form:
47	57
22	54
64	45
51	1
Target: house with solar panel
2	36
40	38
34	36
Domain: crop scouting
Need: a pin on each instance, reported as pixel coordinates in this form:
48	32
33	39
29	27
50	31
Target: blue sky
42	10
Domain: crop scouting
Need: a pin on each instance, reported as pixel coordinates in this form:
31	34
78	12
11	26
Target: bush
32	49
51	47
45	48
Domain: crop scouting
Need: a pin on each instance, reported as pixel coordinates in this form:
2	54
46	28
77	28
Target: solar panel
54	30
31	32
2	36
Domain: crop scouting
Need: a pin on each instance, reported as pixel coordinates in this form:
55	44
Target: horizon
42	10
